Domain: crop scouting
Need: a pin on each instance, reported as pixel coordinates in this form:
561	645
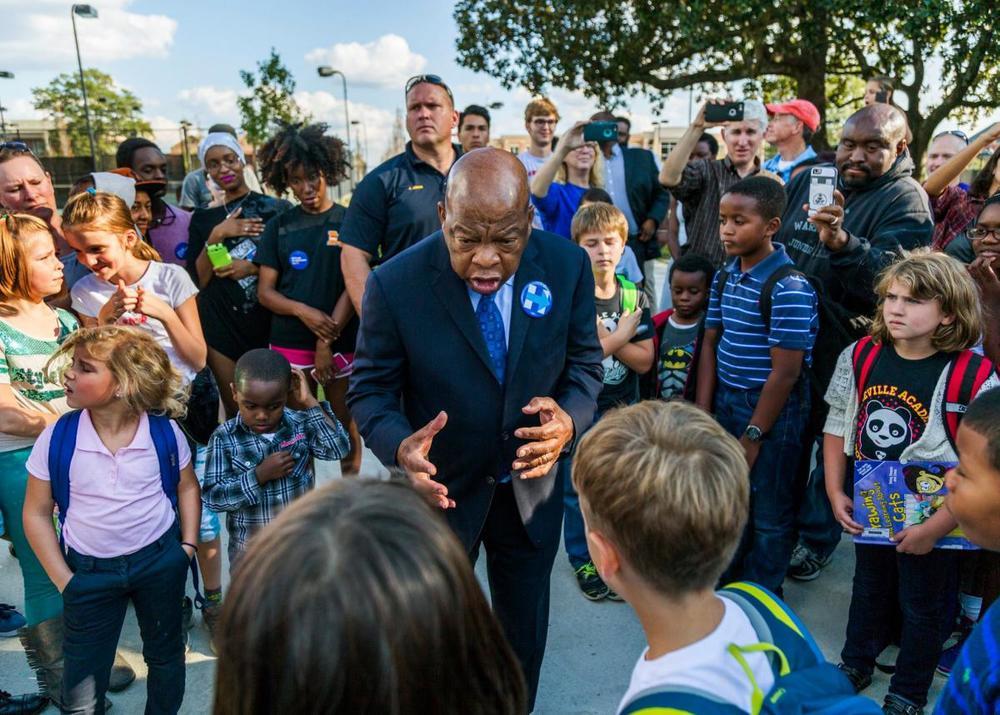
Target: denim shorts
210	525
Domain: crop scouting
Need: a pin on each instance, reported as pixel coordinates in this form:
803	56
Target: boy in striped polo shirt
751	370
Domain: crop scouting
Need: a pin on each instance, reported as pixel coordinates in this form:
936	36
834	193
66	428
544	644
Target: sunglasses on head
428	79
956	133
15	146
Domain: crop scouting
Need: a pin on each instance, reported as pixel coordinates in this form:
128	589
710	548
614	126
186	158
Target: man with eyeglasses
540	119
395	205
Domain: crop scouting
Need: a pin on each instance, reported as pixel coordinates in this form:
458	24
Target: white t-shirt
706	665
168	282
532	164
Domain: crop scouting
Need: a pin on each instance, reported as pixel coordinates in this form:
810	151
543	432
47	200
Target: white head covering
755	111
121	186
221	139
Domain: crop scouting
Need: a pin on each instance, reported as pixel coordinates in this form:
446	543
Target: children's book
890	496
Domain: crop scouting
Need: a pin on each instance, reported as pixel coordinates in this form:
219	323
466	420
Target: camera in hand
600	132
727	112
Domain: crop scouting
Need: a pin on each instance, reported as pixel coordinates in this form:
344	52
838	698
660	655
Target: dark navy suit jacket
420	351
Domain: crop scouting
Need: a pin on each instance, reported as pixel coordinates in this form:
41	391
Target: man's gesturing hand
412	457
545	442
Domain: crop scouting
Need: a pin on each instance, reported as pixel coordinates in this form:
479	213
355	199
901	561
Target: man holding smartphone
699	185
878	211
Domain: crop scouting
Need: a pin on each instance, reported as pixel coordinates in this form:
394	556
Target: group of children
738	343
116	396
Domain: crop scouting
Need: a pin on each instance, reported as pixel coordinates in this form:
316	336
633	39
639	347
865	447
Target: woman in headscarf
232	319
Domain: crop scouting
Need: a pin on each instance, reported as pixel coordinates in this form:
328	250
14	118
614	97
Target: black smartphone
600	132
882	97
727	112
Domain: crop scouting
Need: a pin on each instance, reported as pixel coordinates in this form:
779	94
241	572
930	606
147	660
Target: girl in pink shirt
123	541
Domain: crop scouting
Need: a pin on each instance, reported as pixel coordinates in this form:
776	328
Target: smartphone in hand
727	112
822	182
218	255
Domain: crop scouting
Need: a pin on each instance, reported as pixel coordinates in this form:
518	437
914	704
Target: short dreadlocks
306	146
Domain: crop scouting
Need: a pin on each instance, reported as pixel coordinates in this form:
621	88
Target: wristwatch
753	433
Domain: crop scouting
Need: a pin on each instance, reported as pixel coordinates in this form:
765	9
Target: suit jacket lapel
454	296
527	271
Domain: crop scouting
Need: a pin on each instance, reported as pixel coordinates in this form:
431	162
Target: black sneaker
22	704
594	589
859	680
896	705
613	595
806	564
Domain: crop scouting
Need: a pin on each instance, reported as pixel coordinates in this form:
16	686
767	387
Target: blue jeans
925	589
574	531
818	528
95	601
768	540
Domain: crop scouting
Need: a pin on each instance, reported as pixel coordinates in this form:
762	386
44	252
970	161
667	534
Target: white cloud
207	104
40	34
386	62
375	123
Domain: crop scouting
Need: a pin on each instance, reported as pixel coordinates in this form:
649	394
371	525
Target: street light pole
358	141
85	11
185	124
3	124
326	71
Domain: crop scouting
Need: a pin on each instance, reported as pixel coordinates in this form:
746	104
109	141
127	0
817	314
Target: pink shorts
301	359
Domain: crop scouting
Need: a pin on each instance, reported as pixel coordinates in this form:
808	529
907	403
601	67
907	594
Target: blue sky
183	59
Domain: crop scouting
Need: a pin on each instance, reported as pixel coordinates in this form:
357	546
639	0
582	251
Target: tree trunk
811	80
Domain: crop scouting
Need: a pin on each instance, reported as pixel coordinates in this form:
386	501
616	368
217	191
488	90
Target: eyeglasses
17	146
428	79
232	161
978	234
539	122
956	133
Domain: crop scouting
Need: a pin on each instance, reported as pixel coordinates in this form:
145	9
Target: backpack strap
62	445
678	701
165	443
767	290
866	352
630	293
966	375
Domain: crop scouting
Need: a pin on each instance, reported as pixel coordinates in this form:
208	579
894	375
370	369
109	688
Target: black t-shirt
395	206
231	317
304	249
621	383
895	404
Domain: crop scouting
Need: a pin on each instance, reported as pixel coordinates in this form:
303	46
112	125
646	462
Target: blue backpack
804	682
63	445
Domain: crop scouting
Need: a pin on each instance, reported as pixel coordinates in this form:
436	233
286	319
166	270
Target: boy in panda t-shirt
887	400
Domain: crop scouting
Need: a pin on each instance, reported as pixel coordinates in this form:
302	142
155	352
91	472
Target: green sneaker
590	583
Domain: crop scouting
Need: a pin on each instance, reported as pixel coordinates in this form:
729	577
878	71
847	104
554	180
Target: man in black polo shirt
396	204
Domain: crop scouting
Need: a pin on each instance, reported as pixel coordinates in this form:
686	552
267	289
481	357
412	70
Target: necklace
225	206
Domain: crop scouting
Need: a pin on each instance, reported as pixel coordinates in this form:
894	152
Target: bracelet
193	546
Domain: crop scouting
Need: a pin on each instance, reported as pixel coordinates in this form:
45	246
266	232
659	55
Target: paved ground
591	648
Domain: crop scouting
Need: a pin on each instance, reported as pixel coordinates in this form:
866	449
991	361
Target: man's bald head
884	118
488	176
871	141
486	217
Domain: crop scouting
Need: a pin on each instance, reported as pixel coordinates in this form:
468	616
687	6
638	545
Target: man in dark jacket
880	211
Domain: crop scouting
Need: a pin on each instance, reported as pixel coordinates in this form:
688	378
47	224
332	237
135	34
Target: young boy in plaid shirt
262	459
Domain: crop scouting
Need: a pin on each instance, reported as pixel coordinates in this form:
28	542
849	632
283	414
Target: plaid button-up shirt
235	452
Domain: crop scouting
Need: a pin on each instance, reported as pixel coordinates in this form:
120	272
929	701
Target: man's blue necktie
491	324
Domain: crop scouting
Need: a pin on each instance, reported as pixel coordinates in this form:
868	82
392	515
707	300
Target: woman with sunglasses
954	208
222	244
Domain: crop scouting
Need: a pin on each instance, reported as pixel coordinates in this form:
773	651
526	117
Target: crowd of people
490	327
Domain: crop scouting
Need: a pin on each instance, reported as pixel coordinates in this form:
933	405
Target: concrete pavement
592	647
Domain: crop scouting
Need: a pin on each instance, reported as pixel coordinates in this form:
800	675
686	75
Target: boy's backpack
630	293
967	372
766	290
62	445
804	682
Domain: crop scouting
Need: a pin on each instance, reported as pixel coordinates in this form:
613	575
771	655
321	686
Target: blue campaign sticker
298	260
536	299
181	251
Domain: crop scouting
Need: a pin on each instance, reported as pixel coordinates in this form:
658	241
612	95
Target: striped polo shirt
743	355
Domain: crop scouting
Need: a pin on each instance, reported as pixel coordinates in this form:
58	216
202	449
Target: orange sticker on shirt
332	238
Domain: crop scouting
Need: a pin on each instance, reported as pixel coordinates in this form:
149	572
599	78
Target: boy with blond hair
625	329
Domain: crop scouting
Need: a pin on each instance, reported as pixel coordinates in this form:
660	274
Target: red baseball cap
801	109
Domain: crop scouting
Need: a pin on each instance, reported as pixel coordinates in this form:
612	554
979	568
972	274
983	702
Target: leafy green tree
270	102
614	49
115	113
